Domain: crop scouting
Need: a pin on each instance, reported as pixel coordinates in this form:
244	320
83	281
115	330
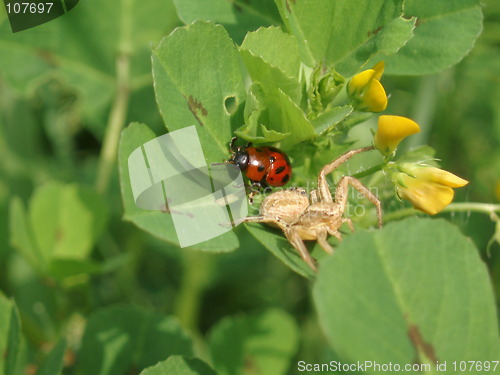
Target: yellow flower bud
392	130
429	189
366	91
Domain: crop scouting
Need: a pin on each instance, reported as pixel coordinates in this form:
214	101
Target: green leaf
82	47
10	336
196	70
178	365
54	362
272	58
344	32
416	290
446	31
62	224
255	344
255	114
157	223
237	16
331	118
274	240
21	234
66	220
119	340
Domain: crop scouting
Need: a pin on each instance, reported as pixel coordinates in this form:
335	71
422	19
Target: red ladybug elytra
267	166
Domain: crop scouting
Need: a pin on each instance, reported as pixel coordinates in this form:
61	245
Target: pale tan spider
315	217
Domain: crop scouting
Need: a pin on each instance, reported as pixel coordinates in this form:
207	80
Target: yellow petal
375	98
391	131
439	176
359	82
379	70
425	196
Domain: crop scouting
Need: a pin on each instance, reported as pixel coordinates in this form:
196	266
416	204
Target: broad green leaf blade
331	118
255	115
196	69
66	220
276	48
285	116
331	31
54	362
237	16
21	234
10	336
178	365
446	31
385	42
157	223
82	47
256	344
415	290
278	245
120	339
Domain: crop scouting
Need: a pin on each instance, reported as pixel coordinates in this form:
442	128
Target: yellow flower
366	91
391	130
429	189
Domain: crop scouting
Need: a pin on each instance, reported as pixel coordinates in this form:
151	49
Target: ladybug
264	166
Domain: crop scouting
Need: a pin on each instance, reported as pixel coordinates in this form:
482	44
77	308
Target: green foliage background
91	284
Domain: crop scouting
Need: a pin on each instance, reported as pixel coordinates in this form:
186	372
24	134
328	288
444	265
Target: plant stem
369	171
115	124
485	208
197	272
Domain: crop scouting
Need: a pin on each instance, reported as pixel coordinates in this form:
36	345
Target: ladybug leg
231	144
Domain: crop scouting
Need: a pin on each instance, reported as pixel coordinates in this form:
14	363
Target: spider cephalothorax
315	217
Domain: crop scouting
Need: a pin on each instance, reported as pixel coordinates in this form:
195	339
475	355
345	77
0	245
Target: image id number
32	8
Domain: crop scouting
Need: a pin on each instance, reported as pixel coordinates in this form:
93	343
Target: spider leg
335	233
322	235
313	196
283	225
294	238
323	189
348	222
341	195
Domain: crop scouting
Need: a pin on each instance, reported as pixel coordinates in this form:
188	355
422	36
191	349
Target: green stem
369	171
115	124
197	270
484	208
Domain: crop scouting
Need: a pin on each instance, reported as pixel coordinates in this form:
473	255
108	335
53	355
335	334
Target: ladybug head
240	158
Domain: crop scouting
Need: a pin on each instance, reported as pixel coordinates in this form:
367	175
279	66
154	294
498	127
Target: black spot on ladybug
260	168
285	179
280	169
259	149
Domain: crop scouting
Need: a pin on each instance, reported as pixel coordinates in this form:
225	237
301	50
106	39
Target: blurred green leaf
260	344
445	32
10	336
63	222
66	220
237	16
127	339
54	362
157	223
415	290
345	33
21	233
178	365
196	70
81	48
